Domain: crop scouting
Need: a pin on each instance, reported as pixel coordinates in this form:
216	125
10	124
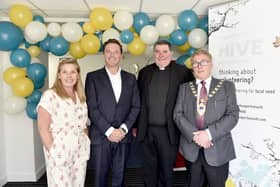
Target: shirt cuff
209	134
109	131
123	126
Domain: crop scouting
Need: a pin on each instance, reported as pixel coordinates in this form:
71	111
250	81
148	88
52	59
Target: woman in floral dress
62	117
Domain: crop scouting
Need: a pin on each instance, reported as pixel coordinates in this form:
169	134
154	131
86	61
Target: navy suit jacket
103	109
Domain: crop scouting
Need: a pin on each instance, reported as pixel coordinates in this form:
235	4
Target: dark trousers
158	158
200	173
110	156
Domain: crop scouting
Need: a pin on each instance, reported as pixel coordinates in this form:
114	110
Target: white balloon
54	29
165	25
14	104
35	31
197	38
72	32
149	51
123	20
110	34
149	34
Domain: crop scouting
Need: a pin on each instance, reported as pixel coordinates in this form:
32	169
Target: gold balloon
34	51
136	47
22	87
76	50
188	63
101	18
13	73
184	47
20	15
230	183
90	43
88	28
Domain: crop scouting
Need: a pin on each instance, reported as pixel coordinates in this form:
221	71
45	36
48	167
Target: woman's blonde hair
78	87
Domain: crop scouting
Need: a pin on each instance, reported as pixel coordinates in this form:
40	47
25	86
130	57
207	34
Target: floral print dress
67	158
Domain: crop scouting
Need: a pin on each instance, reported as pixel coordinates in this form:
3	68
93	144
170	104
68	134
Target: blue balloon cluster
11	36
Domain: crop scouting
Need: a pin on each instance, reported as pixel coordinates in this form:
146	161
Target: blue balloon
187	20
31	110
36	72
203	23
20	58
178	37
126	36
38	18
45	44
34	97
27	44
11	36
190	51
140	20
181	59
39	84
59	46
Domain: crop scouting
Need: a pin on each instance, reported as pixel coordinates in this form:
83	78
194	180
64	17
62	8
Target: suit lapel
108	86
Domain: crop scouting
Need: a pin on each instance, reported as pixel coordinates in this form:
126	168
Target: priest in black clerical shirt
159	136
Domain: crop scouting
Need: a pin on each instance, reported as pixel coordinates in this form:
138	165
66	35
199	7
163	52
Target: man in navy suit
113	105
205	122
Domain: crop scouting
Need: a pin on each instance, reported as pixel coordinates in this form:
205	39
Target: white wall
22	156
3	176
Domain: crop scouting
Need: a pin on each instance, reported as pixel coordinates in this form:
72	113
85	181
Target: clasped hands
202	139
117	135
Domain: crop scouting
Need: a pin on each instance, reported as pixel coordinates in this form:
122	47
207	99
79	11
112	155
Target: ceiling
80	9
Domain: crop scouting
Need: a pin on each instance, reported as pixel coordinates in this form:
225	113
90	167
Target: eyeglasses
201	63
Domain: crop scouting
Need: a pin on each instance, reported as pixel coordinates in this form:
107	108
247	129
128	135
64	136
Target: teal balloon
59	46
11	36
190	51
203	24
39	84
45	44
20	58
31	110
34	97
178	37
181	59
187	20
126	36
38	18
36	72
140	20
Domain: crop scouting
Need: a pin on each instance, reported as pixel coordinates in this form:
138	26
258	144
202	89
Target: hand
202	139
116	136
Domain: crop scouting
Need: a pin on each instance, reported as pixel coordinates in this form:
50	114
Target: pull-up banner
244	39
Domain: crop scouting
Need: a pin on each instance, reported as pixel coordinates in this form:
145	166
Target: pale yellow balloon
101	18
34	51
76	50
184	47
13	73
20	15
230	183
136	47
88	28
188	63
22	87
90	43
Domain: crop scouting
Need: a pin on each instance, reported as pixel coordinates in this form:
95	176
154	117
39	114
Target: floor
134	178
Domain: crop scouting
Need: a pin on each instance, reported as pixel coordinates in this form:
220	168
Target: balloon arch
136	32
